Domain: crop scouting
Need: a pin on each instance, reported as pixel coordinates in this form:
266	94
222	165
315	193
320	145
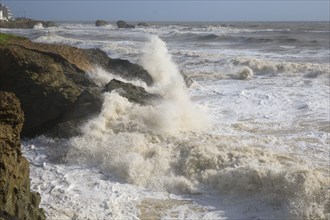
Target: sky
172	10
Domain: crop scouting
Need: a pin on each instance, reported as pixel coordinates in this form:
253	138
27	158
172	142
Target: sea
249	138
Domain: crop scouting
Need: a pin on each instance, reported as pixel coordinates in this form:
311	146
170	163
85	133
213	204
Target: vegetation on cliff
5	38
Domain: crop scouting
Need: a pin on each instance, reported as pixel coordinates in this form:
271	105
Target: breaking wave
284	68
170	146
51	37
38	26
221	67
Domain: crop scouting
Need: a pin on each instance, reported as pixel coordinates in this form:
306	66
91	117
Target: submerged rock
142	24
16	199
131	92
123	24
99	23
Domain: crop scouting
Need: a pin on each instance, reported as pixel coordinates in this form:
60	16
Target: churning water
249	139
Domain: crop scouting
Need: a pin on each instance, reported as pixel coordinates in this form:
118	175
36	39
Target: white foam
169	83
38	26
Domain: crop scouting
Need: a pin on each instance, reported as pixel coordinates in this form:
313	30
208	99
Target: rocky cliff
51	83
16	200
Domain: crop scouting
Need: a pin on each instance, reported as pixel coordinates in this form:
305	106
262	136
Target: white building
5	13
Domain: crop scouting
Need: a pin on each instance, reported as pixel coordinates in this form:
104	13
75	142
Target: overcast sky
171	10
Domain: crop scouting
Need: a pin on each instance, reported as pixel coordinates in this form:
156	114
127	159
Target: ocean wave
219	37
218	65
263	67
51	37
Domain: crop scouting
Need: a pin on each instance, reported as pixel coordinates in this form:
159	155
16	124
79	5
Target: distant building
5	13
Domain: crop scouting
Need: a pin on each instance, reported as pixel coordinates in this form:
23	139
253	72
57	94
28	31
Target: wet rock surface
131	92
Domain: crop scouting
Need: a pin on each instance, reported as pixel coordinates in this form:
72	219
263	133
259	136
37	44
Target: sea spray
166	75
179	112
38	26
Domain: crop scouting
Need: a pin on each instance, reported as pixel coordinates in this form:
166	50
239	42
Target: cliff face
16	200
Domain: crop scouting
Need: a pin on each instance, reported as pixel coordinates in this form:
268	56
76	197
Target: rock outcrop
25	23
123	24
99	23
16	199
131	92
51	83
122	68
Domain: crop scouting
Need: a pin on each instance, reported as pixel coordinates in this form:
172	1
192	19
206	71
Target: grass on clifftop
4	38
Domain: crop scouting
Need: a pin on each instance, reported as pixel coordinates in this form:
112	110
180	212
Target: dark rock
129	71
123	24
84	108
131	92
50	82
189	82
142	24
16	199
122	68
24	23
99	23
